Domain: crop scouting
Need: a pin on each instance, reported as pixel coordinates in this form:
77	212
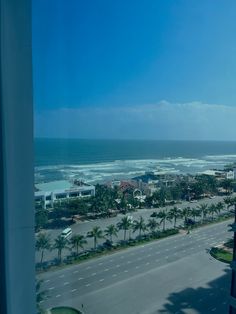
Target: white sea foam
103	171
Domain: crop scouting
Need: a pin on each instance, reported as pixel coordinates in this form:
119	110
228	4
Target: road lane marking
147	263
93	274
114	275
128	262
57	296
101	280
106	269
61	276
125	271
51	288
117	265
75	272
88	284
73	290
137	267
66	283
80	278
47	280
100	264
88	267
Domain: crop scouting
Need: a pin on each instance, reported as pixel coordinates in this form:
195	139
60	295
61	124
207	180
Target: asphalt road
173	275
84	227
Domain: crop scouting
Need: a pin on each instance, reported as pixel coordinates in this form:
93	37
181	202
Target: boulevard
86	226
173	275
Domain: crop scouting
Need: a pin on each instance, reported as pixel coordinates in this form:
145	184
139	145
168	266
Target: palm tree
60	243
163	216
186	213
212	210
125	225
230	201
43	242
174	213
203	210
95	233
152	225
77	241
220	207
195	213
139	225
111	231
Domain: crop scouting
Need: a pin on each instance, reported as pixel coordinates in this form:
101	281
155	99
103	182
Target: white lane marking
167	249
117	265
57	296
66	283
139	258
61	276
137	267
149	255
128	262
147	263
101	280
88	284
51	288
125	271
111	260
100	264
80	278
93	274
114	275
106	269
167	257
75	272
88	267
47	280
156	260
73	290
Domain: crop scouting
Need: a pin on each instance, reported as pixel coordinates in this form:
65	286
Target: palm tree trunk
124	234
42	253
95	243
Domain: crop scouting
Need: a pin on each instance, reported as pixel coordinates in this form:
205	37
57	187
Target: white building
230	175
48	193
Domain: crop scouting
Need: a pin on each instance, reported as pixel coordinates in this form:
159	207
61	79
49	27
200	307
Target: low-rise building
47	193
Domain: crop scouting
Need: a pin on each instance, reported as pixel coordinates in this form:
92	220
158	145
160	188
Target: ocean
101	160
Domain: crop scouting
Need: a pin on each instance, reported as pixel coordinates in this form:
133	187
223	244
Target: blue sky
135	69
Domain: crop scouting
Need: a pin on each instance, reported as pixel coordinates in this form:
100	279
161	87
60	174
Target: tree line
152	228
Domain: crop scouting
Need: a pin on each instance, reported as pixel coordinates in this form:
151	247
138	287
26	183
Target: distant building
230	175
47	193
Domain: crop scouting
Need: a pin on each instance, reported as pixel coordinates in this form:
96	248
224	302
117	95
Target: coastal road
173	275
84	227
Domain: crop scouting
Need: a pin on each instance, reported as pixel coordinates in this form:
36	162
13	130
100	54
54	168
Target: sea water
101	160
